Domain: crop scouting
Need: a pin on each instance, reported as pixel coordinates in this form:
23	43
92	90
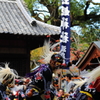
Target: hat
57	58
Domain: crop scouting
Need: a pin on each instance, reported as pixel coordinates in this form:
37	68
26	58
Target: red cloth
47	96
96	84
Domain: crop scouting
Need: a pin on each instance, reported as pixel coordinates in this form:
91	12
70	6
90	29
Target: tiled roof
14	19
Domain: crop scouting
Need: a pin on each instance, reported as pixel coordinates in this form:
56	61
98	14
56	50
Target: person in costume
7	76
88	89
42	75
92	89
70	85
43	78
17	91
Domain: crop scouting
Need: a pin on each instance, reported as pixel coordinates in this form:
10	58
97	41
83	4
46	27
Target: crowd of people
41	85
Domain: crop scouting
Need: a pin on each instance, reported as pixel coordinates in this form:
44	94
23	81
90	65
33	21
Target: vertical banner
65	31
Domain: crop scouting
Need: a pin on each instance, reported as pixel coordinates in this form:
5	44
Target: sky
96	1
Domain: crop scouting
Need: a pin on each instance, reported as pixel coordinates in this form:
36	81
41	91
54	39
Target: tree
53	7
50	6
81	17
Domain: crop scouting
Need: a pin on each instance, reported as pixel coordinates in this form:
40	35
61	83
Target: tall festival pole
65	34
65	31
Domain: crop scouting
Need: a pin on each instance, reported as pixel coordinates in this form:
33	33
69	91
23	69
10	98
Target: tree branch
41	10
95	3
85	11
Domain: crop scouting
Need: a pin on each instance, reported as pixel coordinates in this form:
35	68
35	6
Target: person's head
7	75
61	91
68	77
55	81
56	61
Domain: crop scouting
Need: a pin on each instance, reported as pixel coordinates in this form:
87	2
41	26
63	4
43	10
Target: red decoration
48	36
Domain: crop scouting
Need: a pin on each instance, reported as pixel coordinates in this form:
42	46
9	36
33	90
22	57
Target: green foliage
36	53
88	21
76	8
30	4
